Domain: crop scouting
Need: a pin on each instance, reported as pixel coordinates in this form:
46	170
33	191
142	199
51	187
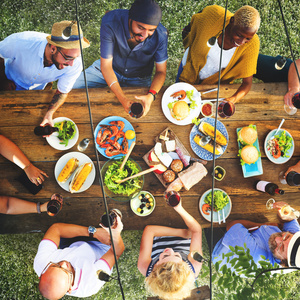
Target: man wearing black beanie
131	41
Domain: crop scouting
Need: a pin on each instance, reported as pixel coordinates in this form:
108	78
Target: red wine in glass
136	110
226	109
172	198
54	205
293	178
296	100
112	218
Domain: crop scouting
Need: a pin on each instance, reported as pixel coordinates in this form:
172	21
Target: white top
23	55
213	60
85	257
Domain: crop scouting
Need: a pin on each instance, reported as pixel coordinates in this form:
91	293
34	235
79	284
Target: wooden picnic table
21	111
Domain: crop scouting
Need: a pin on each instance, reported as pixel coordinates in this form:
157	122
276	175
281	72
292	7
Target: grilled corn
209	146
80	176
68	169
208	129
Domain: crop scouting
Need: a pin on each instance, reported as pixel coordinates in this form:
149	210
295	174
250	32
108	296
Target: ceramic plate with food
221	200
66	137
181	103
196	133
118	127
81	159
143	204
280	148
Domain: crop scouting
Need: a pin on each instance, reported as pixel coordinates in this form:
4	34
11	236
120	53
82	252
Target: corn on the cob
80	176
68	169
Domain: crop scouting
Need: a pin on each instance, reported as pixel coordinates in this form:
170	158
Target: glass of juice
226	109
172	198
55	204
136	110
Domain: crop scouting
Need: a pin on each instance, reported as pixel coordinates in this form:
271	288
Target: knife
204	162
188	158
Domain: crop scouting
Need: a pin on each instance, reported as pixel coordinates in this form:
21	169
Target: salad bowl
127	190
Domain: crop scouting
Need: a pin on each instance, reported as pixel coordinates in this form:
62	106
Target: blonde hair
171	280
247	17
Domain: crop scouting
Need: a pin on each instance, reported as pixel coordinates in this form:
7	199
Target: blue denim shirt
136	62
256	241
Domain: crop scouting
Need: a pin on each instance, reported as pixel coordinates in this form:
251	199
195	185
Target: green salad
285	143
66	131
113	174
220	200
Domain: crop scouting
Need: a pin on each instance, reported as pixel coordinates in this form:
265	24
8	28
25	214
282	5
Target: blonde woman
165	257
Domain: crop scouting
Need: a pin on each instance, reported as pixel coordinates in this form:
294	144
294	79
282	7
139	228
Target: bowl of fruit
143	204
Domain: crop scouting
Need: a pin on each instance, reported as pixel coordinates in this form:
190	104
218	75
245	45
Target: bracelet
26	166
38	207
113	83
153	93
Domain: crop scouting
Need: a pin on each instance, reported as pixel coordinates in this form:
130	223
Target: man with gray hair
131	41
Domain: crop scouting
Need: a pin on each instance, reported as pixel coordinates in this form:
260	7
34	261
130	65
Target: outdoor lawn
18	280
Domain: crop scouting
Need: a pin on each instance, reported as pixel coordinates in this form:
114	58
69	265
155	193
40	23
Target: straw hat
293	254
57	38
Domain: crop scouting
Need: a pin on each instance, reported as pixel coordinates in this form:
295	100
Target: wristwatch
91	231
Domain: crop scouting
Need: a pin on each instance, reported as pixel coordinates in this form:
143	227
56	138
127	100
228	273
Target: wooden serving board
172	136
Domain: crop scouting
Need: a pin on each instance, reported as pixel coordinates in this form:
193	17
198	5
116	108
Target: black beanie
145	11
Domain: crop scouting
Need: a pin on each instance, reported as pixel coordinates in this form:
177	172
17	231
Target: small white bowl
211	107
136	202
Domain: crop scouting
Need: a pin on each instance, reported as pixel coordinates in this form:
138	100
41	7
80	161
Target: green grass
17	279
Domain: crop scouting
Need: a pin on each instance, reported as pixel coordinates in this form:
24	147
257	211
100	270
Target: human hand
102	236
289	95
47	120
34	174
7	85
147	101
295	168
286	214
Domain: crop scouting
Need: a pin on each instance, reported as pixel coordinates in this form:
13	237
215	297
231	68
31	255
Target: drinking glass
291	105
55	204
136	110
270	204
112	218
292	178
226	109
172	198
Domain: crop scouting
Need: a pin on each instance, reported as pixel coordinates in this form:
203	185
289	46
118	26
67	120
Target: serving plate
227	208
198	150
82	160
280	160
54	141
106	121
252	169
166	99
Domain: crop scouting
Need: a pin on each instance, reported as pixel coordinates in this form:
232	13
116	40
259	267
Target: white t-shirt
213	60
85	257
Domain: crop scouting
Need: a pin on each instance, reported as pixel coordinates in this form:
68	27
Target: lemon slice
130	134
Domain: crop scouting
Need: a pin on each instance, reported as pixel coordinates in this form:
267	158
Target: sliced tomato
206	208
276	152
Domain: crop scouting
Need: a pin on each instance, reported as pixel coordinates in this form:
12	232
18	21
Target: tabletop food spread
169	151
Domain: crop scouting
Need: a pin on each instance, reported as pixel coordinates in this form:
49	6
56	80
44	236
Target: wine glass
136	110
292	178
226	109
172	198
270	204
55	204
292	103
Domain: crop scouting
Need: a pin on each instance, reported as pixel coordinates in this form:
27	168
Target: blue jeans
180	69
95	79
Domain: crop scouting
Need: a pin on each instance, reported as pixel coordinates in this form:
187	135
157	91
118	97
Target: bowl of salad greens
222	205
111	174
66	135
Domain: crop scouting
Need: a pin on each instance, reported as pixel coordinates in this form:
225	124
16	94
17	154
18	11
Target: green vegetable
196	121
220	200
66	131
189	95
113	174
285	143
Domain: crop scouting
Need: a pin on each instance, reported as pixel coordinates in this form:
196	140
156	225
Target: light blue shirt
256	241
23	55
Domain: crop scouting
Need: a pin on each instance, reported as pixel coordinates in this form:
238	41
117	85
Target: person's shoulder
28	36
162	30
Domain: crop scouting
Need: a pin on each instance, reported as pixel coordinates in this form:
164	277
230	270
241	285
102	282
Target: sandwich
208	129
247	135
249	155
180	110
68	169
80	177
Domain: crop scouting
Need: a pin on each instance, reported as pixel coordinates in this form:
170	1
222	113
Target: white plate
54	141
166	99
106	121
136	202
198	150
82	160
226	209
280	160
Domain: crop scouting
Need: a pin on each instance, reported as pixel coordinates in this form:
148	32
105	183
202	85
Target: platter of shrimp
110	136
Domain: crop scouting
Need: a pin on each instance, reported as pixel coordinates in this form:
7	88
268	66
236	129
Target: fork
272	137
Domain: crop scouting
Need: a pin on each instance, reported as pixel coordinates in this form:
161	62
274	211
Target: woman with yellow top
200	63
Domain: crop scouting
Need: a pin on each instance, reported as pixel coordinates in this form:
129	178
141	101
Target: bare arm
5	84
293	82
242	90
13	153
15	206
56	102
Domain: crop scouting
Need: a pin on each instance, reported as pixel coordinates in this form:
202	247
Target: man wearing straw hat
131	42
29	60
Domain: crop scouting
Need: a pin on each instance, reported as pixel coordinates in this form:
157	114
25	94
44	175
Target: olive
219	175
140	197
143	195
141	211
148	196
142	205
138	210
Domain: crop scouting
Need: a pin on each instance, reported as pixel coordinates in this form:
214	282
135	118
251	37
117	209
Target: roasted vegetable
209	147
208	129
68	169
80	177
